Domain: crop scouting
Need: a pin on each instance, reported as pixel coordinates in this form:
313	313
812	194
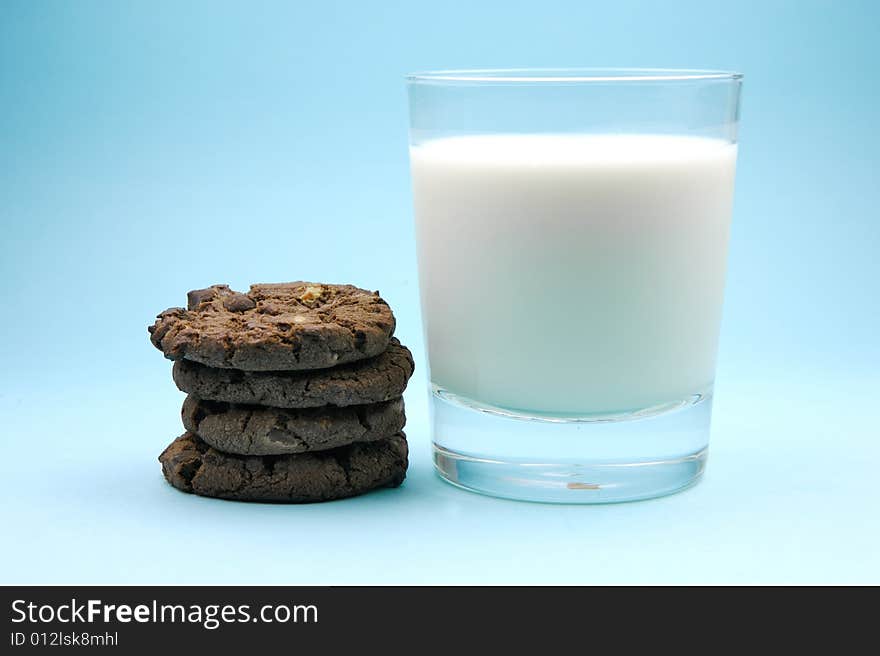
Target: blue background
153	147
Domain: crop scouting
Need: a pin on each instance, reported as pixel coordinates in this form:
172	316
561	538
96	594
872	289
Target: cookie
284	326
367	381
191	465
255	430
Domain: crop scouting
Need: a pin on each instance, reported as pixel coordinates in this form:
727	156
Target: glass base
595	459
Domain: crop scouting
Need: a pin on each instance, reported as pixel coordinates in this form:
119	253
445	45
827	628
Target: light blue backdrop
152	147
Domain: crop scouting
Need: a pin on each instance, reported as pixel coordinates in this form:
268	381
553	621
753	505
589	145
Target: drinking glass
572	229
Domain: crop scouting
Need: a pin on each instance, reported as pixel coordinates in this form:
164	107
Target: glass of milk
572	230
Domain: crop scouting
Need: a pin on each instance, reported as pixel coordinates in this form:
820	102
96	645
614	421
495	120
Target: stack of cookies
294	392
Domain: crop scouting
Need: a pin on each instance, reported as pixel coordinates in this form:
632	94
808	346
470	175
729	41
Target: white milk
572	274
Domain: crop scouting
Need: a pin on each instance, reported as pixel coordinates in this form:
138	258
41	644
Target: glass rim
568	75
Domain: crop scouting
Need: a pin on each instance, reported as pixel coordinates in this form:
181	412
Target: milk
572	274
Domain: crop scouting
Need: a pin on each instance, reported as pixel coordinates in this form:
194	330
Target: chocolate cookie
254	430
284	326
191	465
367	381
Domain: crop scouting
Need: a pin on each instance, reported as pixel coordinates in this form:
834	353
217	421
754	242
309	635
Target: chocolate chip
272	309
197	296
238	303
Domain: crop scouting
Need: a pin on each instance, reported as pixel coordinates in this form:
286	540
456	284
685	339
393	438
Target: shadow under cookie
191	465
260	430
